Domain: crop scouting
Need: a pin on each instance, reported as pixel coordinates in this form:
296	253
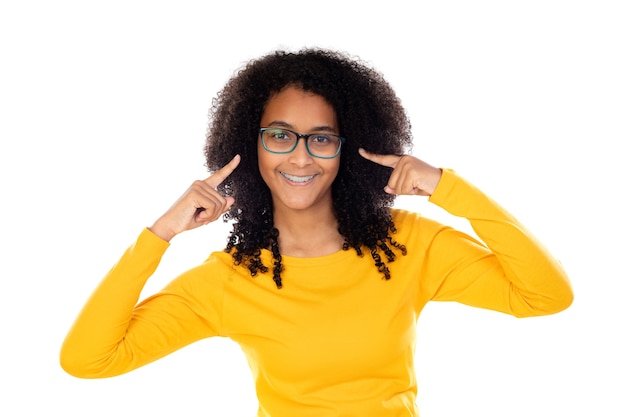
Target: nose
300	155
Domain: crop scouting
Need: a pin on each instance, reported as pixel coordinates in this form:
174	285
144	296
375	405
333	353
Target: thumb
202	216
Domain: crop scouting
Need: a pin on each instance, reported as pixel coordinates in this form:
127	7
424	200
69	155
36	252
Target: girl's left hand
410	176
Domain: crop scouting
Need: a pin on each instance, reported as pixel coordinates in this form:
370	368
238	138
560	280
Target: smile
296	179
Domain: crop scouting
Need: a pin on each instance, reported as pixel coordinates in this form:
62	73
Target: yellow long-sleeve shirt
336	340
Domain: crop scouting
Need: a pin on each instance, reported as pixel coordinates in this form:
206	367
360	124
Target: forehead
299	108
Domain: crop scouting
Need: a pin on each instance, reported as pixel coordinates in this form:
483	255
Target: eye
321	139
278	135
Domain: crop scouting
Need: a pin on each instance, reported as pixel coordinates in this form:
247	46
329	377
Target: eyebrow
280	123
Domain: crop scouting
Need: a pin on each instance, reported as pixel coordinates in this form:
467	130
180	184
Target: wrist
162	231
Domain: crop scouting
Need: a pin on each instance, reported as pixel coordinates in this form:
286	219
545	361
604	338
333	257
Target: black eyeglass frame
306	141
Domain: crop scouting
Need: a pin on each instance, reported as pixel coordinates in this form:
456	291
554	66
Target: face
297	180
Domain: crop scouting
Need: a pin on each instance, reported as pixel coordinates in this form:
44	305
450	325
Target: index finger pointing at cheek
385	160
217	178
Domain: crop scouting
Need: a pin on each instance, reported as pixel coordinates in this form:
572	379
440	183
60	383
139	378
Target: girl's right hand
199	205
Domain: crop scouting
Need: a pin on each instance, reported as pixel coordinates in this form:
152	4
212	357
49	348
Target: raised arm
113	334
508	271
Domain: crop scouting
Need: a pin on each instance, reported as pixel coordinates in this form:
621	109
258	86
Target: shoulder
401	216
407	221
220	260
412	226
206	277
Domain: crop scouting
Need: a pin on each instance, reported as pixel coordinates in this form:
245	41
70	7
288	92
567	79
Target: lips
297	179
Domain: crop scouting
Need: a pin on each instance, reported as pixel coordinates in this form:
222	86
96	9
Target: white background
103	111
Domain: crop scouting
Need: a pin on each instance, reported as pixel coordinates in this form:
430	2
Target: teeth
293	178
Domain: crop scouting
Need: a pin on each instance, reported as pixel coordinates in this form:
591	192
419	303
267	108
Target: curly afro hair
370	116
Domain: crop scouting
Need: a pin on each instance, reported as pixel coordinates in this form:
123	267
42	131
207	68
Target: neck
307	233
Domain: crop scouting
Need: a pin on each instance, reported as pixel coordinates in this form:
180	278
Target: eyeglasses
319	145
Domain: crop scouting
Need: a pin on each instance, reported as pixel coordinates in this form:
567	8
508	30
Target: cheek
265	161
334	168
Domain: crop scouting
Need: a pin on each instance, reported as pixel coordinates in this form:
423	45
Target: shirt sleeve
113	334
507	270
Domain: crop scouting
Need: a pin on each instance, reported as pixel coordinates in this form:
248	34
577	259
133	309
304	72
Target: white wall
103	110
